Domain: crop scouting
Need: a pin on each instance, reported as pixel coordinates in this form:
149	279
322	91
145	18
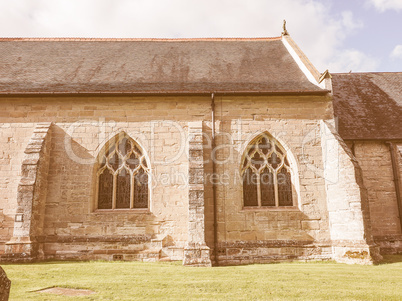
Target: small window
122	177
266	174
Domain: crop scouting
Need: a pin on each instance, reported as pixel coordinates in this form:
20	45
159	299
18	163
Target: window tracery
266	174
122	176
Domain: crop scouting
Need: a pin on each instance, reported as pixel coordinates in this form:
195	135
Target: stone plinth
197	255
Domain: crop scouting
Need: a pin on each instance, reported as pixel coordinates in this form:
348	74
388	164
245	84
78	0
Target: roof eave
170	93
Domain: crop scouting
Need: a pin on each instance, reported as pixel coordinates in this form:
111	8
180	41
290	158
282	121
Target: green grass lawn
137	280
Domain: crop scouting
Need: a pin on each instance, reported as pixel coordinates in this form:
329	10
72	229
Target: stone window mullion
276	188
97	191
114	190
259	189
131	190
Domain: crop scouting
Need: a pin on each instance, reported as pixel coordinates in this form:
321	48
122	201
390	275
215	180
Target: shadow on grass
387	259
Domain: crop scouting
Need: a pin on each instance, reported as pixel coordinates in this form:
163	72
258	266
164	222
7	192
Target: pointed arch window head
122	175
266	174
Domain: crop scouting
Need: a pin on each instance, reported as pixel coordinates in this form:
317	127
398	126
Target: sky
338	35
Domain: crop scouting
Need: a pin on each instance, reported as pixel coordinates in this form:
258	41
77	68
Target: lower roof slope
368	105
147	66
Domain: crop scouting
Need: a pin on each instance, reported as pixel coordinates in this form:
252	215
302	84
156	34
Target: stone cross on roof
284	32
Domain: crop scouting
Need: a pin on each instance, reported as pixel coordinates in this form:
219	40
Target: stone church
210	151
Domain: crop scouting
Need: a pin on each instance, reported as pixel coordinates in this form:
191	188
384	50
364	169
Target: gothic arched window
266	174
122	176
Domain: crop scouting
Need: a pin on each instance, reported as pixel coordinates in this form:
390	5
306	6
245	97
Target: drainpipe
397	180
213	182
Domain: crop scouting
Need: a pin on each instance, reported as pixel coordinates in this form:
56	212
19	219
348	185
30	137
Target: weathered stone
31	190
196	252
310	225
5	285
342	191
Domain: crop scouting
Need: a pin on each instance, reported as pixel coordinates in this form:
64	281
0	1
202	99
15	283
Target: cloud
353	60
349	22
318	31
383	5
397	52
156	18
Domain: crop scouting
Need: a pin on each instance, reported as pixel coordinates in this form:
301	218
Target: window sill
134	210
282	208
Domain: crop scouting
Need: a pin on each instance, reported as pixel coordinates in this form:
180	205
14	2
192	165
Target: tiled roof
137	39
65	65
368	105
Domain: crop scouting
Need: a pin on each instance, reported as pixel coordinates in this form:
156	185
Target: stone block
310	225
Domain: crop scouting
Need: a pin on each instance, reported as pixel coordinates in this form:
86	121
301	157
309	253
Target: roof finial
284	32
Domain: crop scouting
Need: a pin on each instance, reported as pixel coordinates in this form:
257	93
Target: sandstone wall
73	228
14	137
31	197
347	200
375	159
261	235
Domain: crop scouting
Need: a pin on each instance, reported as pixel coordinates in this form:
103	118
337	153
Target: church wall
81	125
72	226
260	235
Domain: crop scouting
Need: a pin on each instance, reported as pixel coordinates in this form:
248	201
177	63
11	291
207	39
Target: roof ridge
138	39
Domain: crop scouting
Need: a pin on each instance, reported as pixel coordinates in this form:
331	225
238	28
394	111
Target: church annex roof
68	65
368	105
